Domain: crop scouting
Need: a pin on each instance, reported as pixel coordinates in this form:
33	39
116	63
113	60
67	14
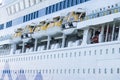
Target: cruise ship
60	40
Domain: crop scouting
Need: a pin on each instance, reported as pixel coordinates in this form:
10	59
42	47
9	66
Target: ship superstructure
60	40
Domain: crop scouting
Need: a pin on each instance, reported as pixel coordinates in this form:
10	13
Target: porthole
78	71
62	55
106	51
75	54
51	56
58	55
61	71
119	50
113	50
49	71
95	52
111	71
53	71
83	71
100	51
118	70
70	54
79	53
99	71
105	71
66	55
65	71
69	71
90	53
84	53
47	56
73	71
44	56
93	71
54	56
88	70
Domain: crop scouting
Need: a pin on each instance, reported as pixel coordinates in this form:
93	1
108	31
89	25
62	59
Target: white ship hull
97	62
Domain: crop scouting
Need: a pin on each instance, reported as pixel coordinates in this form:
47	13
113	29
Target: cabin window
113	50
99	71
84	53
111	71
79	53
119	50
78	71
69	71
106	51
95	52
105	71
83	71
88	70
90	53
73	70
93	71
100	51
66	55
65	71
118	70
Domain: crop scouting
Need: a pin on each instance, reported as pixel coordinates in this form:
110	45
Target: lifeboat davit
70	22
55	26
40	30
17	36
27	33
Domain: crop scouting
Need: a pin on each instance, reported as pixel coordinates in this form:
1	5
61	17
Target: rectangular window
29	17
37	12
64	5
53	6
72	3
9	24
32	16
67	3
57	7
47	9
26	18
61	7
50	9
1	26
